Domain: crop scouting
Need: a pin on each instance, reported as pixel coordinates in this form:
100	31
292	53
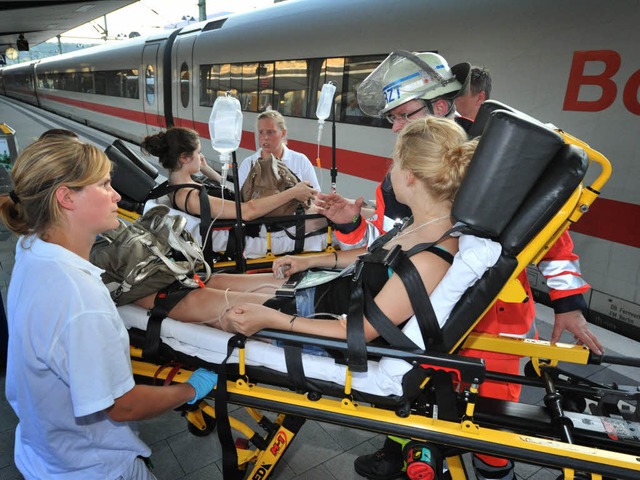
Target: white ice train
572	63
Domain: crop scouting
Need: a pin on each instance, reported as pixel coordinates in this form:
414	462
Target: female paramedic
272	137
178	150
429	162
69	376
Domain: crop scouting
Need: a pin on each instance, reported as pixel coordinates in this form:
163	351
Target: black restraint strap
422	307
205	226
384	326
230	470
300	230
356	342
295	368
165	300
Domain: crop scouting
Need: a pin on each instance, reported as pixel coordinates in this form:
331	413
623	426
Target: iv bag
325	103
225	125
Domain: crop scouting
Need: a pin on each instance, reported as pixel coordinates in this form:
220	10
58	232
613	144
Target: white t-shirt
297	162
68	360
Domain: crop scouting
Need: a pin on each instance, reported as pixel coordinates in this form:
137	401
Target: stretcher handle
620	360
594	156
472	370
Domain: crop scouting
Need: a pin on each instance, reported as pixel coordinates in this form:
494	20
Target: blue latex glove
203	381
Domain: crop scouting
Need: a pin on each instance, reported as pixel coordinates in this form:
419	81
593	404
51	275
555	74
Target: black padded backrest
484	112
140	162
128	179
555	186
558	182
512	153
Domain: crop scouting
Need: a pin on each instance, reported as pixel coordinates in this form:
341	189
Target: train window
185	82
114	84
249	92
236	79
100	83
209	84
132	85
86	82
150	85
290	85
265	86
356	69
332	71
225	81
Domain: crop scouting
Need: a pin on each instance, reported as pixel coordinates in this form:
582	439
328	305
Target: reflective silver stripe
389	223
551	268
566	282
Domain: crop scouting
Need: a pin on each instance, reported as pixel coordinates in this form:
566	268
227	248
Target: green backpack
148	255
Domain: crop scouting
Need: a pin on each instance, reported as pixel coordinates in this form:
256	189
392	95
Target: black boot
386	464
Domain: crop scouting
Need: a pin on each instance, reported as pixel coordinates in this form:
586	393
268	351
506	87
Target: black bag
149	254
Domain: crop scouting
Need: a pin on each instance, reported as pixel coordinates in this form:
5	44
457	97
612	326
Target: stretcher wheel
210	426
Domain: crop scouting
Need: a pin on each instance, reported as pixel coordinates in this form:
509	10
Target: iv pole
238	229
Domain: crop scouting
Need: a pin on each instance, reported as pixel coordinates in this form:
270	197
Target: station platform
321	450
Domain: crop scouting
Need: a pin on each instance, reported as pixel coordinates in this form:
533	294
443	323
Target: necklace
403	233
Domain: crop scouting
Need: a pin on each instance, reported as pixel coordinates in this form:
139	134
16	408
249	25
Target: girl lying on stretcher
178	150
429	162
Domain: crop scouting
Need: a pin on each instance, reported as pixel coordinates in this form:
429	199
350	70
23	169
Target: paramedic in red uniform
402	88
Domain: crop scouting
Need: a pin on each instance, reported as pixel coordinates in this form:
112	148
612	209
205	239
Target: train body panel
572	63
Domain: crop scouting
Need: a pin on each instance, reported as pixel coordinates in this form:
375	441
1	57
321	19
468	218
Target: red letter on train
577	78
630	94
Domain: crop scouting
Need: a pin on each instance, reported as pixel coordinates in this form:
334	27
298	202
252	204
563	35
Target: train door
151	98
185	79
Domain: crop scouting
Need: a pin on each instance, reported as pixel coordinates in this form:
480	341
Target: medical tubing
203	381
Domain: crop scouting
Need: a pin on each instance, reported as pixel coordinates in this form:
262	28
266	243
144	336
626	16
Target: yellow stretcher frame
466	434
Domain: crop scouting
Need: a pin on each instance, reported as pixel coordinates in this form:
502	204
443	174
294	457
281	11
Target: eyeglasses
403	117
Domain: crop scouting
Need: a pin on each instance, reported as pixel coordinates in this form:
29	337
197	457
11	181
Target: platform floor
321	451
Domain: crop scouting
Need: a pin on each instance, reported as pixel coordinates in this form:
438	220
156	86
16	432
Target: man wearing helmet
405	87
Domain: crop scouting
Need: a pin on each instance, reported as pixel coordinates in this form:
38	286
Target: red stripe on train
349	162
124	113
610	220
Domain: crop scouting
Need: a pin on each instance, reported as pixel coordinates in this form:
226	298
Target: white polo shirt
68	360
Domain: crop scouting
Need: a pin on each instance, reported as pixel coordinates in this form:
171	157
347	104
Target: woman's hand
208	171
304	192
286	266
250	318
337	208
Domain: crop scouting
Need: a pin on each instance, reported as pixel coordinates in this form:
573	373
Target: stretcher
136	180
523	189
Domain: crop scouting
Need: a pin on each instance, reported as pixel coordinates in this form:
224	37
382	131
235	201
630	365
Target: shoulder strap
430	247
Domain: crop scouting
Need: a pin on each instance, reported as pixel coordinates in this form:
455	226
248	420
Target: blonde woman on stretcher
429	162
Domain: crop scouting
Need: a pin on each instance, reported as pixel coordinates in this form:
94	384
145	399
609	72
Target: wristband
349	227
